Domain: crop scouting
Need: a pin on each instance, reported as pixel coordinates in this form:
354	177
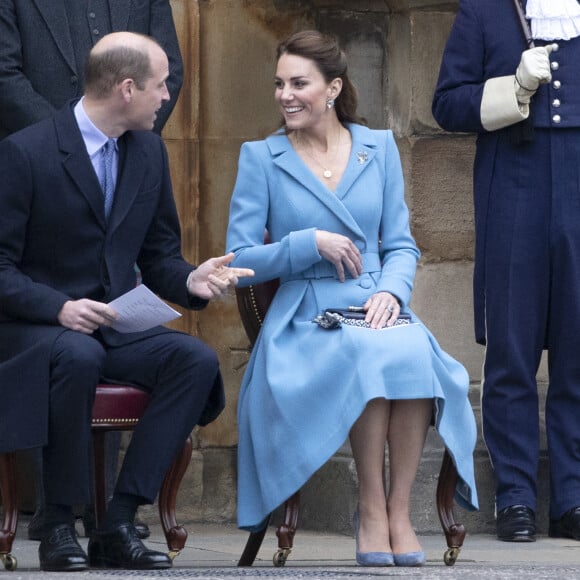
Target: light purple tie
108	179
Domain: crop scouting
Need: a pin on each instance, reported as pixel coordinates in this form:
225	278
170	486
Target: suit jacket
55	245
486	41
38	62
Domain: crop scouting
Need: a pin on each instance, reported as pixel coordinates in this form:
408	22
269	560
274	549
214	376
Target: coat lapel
54	14
77	164
132	159
364	149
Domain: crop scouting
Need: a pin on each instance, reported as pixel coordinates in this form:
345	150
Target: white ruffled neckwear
554	19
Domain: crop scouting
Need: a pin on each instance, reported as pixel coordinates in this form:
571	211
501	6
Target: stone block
442	298
438	176
415	45
238	64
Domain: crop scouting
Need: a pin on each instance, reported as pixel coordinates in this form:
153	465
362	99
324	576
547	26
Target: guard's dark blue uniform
527	266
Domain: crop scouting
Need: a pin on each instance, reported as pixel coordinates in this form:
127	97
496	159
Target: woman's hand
382	310
340	251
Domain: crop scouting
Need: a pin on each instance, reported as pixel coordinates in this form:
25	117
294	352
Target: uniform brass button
556	84
556	103
557	119
554	65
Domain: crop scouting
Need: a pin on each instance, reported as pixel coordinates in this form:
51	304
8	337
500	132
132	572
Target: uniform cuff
499	105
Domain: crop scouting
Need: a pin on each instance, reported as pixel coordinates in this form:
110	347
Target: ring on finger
391	308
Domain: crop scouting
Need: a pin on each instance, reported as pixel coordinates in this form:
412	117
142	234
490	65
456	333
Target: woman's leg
368	438
408	424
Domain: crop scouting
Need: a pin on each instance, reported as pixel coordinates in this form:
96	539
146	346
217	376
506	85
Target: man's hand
533	70
86	315
212	278
341	251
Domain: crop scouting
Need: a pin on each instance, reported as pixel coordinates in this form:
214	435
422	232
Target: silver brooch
362	157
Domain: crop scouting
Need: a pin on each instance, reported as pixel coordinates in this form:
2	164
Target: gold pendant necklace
326	172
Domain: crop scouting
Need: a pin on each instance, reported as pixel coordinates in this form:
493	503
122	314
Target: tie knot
108	148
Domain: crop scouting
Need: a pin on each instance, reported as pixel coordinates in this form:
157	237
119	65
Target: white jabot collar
554	19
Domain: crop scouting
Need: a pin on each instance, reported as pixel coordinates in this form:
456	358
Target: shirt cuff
499	105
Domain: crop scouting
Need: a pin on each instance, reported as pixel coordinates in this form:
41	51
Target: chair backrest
254	301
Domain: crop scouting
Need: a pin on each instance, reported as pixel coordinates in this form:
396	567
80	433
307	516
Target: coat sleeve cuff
499	105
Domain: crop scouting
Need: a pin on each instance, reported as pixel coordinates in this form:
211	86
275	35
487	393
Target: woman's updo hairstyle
325	52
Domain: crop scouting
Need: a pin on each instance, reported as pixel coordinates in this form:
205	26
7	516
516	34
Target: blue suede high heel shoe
370	558
410	559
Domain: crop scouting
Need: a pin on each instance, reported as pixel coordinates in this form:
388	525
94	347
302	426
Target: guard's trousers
532	301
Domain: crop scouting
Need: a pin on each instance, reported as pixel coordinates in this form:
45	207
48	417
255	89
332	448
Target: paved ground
212	553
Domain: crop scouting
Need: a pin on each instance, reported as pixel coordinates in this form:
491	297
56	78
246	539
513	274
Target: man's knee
78	355
197	356
193	361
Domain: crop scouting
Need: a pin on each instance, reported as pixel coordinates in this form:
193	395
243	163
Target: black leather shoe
59	550
122	548
142	529
568	526
516	523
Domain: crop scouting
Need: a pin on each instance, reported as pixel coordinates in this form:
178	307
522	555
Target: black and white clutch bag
333	318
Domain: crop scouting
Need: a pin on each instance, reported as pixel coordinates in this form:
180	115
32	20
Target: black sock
121	510
56	514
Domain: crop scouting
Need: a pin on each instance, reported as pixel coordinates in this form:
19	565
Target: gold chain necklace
326	172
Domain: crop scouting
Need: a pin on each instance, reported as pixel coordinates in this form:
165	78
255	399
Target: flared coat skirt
305	387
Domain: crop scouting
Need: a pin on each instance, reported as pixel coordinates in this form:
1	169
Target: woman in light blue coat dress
330	193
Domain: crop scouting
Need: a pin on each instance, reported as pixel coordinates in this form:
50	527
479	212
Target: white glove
533	70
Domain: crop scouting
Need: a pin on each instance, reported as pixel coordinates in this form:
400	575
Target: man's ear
127	88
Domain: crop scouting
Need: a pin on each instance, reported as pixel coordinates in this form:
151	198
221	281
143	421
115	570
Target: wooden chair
116	408
253	302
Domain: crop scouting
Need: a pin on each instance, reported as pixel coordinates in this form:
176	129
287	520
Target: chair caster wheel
9	561
280	557
450	556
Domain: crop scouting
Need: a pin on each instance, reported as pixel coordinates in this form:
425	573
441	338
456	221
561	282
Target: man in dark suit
45	44
65	253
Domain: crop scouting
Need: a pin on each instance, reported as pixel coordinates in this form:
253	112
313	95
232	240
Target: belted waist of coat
325	269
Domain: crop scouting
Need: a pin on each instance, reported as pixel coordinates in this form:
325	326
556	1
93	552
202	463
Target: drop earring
329	103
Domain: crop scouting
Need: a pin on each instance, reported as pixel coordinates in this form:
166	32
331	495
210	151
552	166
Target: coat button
555	47
557	119
554	65
556	103
556	84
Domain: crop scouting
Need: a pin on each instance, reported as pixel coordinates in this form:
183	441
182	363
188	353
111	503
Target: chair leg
253	545
454	532
100	476
175	534
10	509
287	529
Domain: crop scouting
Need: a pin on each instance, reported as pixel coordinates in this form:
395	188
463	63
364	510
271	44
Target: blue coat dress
304	386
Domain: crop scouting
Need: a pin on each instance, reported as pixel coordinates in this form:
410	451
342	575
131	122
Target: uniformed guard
520	92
